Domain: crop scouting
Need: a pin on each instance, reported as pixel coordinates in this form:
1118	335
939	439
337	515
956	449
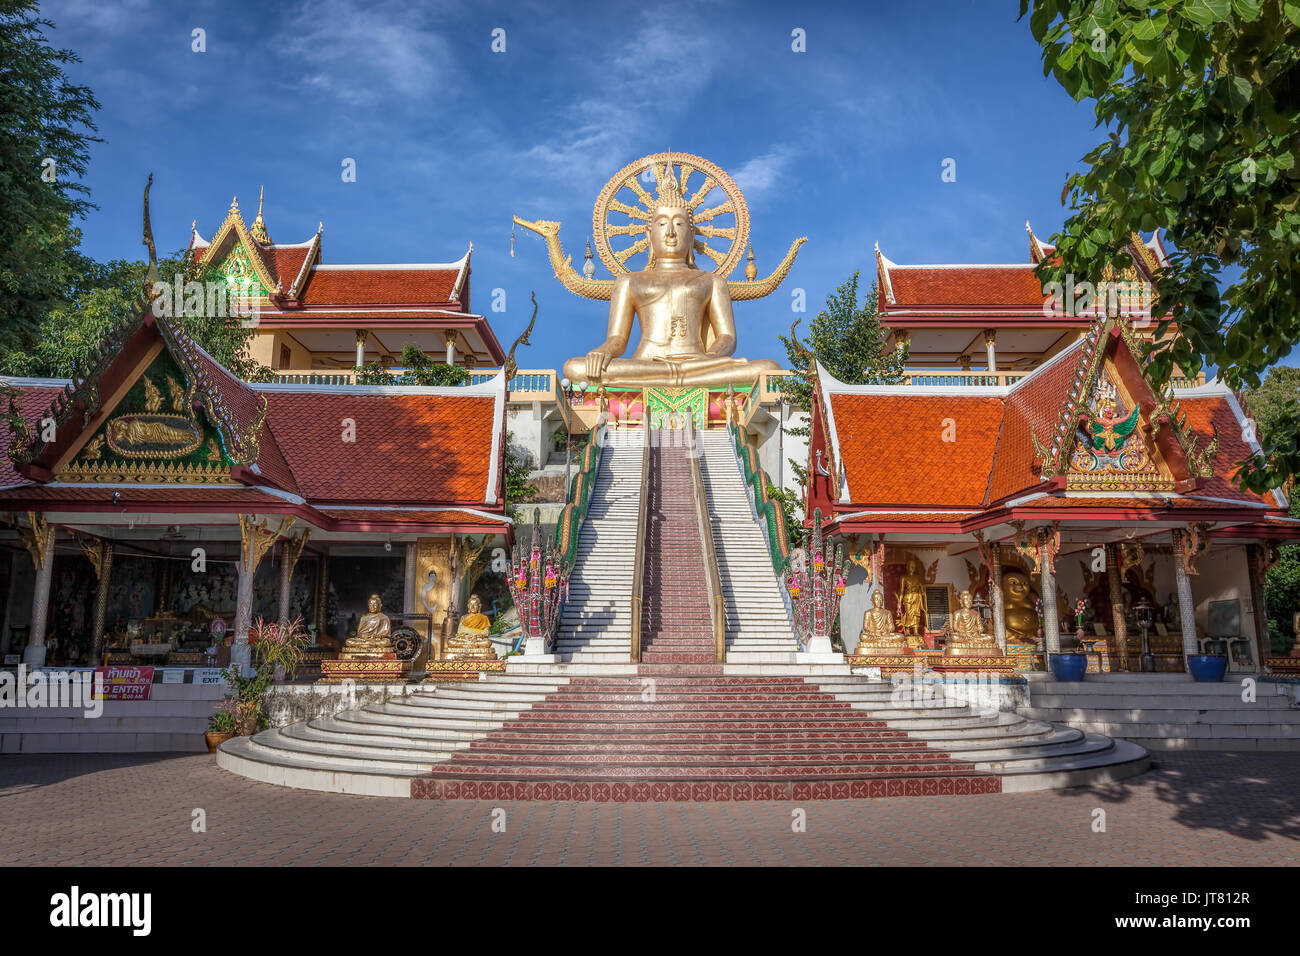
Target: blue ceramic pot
1207	668
1068	667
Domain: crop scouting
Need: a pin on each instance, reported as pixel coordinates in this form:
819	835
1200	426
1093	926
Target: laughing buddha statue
678	304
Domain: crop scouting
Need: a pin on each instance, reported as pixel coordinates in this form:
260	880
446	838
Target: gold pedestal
364	671
881	647
958	648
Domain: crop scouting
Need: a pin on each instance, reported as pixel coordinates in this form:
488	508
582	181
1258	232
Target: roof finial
152	275
258	229
234	205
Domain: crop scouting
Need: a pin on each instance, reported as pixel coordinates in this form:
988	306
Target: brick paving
1195	808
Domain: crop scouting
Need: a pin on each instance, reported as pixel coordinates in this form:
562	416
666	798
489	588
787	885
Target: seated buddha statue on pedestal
678	305
371	641
967	637
878	637
471	641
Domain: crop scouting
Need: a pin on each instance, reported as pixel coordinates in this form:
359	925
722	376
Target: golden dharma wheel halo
624	207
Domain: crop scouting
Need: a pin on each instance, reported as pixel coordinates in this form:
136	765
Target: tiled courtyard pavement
1206	808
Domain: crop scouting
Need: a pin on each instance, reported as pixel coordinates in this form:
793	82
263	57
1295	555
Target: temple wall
1224	576
529	432
774	458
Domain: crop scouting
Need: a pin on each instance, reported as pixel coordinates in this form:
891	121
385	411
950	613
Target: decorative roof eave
309	261
241	443
461	275
234	224
882	275
1143	254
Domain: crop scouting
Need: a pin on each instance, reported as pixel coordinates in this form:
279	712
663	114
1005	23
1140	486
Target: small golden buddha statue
878	637
911	600
471	641
967	637
371	642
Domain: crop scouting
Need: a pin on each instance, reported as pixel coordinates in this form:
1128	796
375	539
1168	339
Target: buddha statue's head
475	606
672	225
374	604
966	600
877	599
1016	585
911	565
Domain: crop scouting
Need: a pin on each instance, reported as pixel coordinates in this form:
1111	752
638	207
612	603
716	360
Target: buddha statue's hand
597	359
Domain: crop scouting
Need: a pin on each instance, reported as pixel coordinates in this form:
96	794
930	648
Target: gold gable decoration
1112	448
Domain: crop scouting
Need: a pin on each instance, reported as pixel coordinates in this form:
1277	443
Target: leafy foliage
1273	406
1199	101
418	368
518	487
103	294
45	127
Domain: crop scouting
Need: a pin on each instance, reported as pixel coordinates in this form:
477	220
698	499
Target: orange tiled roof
378	286
895	453
408	449
965	286
1213	411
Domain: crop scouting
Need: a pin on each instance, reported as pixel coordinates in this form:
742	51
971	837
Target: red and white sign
125	682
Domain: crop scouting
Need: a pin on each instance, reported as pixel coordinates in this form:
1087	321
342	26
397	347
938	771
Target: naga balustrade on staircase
767	510
717	603
638	565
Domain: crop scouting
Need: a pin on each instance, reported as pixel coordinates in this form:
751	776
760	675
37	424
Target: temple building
1080	509
159	501
318	321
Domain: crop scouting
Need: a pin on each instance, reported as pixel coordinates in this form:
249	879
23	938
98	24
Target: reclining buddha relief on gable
155	434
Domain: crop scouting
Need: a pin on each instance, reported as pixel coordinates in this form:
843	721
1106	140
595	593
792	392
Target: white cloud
758	176
362	53
95	16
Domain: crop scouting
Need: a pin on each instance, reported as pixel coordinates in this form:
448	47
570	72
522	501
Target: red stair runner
676	627
702	737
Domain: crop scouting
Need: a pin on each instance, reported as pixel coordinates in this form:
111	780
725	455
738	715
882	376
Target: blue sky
843	143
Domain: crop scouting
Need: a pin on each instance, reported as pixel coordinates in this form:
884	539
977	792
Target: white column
989	336
286	583
34	653
240	651
1186	604
1047	581
995	596
450	339
361	347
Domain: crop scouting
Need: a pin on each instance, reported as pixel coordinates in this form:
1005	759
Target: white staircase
759	630
596	624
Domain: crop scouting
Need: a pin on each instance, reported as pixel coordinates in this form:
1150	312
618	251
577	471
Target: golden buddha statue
878	637
911	600
680	308
471	641
1018	608
371	641
966	632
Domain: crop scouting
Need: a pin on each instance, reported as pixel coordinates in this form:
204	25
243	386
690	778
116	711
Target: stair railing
717	604
638	565
767	510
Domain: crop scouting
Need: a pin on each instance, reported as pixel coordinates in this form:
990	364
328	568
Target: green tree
518	487
418	368
848	340
1272	406
105	292
1198	98
45	127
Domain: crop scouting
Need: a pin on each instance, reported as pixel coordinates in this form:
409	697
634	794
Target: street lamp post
567	388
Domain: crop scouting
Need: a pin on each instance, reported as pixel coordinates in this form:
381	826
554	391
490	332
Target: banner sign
125	682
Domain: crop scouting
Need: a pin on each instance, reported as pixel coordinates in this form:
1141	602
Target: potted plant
280	645
221	727
245	700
